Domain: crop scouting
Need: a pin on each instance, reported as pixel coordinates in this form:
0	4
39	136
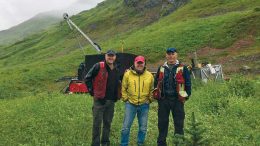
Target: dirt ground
241	57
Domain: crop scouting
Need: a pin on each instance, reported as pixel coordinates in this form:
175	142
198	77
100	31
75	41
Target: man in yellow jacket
137	87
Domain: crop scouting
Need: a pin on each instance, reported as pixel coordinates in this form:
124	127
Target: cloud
13	12
81	5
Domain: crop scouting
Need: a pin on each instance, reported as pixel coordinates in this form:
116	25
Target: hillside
34	25
222	31
197	25
42	21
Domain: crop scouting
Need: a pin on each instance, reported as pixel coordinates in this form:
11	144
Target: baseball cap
140	59
111	52
171	50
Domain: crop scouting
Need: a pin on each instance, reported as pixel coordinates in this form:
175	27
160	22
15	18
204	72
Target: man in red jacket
102	81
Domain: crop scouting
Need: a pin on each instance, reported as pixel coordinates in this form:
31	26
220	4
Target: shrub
239	86
196	132
216	97
257	9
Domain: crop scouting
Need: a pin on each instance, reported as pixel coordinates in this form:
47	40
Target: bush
239	86
215	97
257	9
216	104
196	132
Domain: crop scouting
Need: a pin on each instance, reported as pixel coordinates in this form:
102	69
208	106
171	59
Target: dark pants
178	114
102	112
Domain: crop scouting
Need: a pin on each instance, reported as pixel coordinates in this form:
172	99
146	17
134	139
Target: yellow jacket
137	89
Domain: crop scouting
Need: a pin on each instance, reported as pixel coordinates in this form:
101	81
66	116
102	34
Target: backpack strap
157	91
180	88
102	64
161	73
179	74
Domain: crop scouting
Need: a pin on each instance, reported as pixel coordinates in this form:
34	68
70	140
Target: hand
91	92
156	93
124	100
181	99
148	102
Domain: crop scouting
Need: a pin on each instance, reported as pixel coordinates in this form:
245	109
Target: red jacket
99	82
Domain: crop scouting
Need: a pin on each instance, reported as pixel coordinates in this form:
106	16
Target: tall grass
56	119
32	113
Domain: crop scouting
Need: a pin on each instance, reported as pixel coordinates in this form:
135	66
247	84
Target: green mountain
34	25
221	31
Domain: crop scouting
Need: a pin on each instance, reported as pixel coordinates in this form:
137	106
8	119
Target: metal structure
77	83
209	72
72	24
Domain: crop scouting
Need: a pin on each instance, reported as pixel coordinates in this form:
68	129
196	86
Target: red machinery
77	84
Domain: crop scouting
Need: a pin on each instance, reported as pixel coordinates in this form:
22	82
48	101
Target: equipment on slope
209	72
71	25
77	85
206	71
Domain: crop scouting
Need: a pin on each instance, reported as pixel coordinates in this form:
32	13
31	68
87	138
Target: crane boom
72	24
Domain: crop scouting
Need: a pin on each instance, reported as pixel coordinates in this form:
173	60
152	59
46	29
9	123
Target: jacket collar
134	72
108	68
166	64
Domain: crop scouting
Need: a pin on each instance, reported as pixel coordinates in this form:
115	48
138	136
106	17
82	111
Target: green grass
56	119
35	114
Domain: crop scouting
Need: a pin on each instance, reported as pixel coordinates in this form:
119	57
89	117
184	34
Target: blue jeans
142	114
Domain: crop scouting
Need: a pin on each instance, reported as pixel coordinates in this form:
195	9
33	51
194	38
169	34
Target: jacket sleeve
125	86
186	75
92	73
151	90
156	78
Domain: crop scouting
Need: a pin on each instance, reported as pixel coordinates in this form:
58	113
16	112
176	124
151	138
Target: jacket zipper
135	85
139	89
143	86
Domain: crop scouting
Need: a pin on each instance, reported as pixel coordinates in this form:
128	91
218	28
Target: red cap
140	59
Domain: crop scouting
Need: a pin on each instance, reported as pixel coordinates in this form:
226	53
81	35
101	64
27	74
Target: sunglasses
140	62
111	55
171	53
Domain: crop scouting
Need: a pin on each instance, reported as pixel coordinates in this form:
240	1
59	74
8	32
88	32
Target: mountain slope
35	113
34	25
42	21
194	26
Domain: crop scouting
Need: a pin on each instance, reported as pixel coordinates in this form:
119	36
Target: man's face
110	58
171	57
139	65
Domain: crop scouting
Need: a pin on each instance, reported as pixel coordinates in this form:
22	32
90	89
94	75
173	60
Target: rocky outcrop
167	6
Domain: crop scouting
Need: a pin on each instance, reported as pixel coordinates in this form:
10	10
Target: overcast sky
13	12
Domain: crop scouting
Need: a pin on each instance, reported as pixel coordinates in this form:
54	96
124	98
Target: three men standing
172	88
